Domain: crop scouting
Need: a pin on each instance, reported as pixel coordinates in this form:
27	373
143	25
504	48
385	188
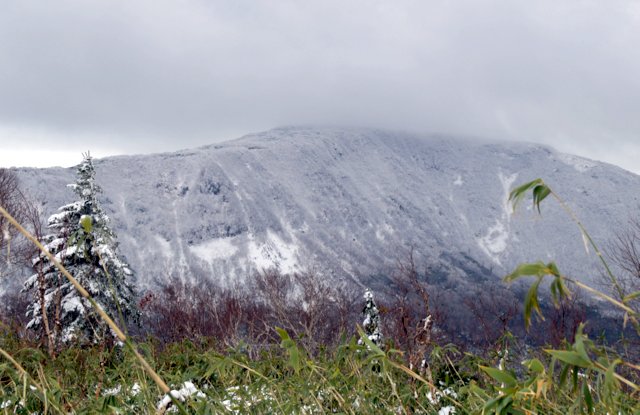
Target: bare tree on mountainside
624	252
14	250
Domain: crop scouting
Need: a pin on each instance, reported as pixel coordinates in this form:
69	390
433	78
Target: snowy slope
347	203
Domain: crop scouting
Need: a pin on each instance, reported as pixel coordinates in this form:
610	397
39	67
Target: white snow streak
214	249
274	253
494	242
165	246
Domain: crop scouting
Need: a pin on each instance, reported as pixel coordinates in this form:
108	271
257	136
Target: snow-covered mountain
348	204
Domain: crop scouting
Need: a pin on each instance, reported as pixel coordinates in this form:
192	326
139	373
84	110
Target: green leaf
538	269
283	334
505	404
571	357
559	290
588	399
531	303
491	404
610	381
527	270
631	297
295	355
579	343
518	193
552	269
540	192
534	365
501	403
574	377
563	373
500	375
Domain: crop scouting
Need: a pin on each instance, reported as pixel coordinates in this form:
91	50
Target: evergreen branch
119	333
112	289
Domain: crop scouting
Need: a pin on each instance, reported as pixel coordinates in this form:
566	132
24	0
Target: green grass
350	379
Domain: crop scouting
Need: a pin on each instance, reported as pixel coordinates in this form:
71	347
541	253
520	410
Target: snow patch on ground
188	390
436	398
274	253
383	231
507	183
112	391
215	249
182	259
240	398
464	219
576	162
494	242
165	246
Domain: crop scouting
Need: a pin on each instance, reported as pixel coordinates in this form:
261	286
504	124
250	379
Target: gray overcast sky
123	76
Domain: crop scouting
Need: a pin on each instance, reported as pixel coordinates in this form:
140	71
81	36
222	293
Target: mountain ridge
345	203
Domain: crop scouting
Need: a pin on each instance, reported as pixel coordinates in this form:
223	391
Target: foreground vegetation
350	378
257	367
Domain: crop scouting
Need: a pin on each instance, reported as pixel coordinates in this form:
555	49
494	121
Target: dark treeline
322	314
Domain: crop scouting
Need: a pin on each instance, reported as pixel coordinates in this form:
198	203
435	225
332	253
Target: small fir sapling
371	322
83	242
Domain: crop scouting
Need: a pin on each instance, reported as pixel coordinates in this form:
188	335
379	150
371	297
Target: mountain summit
348	204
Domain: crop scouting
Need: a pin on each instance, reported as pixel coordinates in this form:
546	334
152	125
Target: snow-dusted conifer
83	242
371	322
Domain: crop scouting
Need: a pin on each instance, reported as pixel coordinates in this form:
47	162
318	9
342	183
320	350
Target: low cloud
158	75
